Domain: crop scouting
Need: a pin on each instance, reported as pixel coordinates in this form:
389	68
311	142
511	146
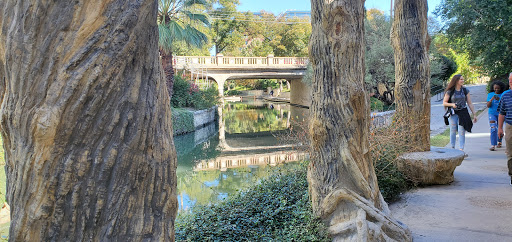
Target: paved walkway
477	206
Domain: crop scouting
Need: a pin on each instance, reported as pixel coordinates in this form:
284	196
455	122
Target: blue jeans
493	122
454	126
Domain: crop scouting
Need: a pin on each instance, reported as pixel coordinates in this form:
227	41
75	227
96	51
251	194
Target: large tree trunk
342	179
86	122
168	67
410	40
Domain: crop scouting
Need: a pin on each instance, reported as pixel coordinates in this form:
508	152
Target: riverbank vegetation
186	97
186	94
278	207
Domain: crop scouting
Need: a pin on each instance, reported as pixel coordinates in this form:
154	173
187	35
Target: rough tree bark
410	41
342	179
168	70
86	122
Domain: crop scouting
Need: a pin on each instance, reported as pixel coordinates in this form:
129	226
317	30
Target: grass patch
441	140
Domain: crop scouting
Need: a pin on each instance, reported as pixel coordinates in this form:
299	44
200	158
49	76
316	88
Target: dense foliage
483	30
278	209
380	63
182	121
235	33
181	20
187	94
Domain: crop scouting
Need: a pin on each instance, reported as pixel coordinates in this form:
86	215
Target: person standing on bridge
457	97
493	100
505	110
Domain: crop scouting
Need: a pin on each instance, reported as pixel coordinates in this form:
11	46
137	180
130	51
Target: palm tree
179	20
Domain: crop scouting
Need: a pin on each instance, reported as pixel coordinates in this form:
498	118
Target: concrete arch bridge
220	69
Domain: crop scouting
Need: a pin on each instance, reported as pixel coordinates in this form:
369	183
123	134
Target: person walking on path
505	110
458	98
493	99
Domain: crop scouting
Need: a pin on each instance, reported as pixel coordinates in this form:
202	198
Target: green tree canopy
182	20
482	29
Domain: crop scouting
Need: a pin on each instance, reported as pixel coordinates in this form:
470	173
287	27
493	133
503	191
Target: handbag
447	115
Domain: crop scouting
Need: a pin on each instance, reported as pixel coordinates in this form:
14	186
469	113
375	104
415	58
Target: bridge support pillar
220	79
300	93
220	84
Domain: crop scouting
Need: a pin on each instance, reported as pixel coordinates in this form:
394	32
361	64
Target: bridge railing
182	62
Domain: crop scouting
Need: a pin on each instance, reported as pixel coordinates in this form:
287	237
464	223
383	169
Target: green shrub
376	104
202	99
182	121
180	96
391	181
186	94
264	84
232	93
276	209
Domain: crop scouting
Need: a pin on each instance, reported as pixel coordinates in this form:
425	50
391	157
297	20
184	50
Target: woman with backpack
457	98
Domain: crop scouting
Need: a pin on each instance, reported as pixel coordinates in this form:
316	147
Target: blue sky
278	6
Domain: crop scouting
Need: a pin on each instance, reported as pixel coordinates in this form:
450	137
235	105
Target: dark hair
453	82
499	83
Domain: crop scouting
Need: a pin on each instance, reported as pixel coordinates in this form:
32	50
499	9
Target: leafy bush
182	121
391	181
186	94
180	96
202	99
264	84
376	104
276	209
232	93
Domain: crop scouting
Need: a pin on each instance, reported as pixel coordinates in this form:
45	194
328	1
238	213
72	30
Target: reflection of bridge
255	154
220	69
236	161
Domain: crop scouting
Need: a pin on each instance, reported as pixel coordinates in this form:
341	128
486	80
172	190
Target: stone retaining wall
205	116
256	93
380	119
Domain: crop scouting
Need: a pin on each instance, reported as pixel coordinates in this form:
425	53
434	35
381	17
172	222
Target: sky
279	6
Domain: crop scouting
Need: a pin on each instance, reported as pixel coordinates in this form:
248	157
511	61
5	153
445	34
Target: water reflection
235	152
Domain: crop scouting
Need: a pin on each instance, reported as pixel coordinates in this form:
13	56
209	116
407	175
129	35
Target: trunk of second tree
410	41
343	184
86	122
168	67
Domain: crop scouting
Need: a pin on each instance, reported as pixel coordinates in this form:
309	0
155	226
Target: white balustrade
185	62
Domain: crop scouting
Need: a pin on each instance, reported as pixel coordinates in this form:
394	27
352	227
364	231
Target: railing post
220	58
270	59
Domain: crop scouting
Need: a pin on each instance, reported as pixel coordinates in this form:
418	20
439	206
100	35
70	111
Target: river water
249	139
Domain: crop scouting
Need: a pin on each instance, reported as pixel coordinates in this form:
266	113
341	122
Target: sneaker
499	145
492	148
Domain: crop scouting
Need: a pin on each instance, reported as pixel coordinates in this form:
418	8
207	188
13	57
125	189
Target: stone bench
430	167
